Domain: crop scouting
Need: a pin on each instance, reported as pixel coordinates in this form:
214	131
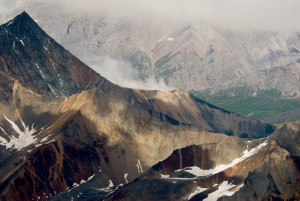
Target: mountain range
189	55
67	133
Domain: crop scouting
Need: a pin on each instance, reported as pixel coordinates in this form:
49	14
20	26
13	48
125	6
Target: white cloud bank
274	15
9	9
277	15
122	73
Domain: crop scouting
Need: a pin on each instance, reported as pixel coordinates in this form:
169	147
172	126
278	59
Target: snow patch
139	166
225	189
110	184
45	139
91	177
10	23
38	67
24	139
73	186
250	114
246	154
125	177
22	42
164	176
51	89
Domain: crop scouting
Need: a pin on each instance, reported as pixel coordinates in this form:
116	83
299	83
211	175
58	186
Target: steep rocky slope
56	135
29	55
254	170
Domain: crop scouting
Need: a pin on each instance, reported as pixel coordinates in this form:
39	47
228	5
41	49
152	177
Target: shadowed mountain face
253	170
62	125
262	171
29	55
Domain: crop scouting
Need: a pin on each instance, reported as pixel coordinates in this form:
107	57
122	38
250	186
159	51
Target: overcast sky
275	15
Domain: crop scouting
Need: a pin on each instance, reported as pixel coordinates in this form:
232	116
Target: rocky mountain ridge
88	130
193	56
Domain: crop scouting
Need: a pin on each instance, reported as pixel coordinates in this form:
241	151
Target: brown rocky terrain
66	126
194	172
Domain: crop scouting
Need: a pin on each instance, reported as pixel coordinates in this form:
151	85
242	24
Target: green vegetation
167	73
165	59
244	135
272	110
211	51
240	91
162	72
141	62
229	132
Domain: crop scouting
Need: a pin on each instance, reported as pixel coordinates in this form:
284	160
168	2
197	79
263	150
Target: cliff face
29	55
186	108
63	126
256	170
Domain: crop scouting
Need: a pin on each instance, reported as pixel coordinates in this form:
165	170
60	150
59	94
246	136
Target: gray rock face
192	56
288	137
29	55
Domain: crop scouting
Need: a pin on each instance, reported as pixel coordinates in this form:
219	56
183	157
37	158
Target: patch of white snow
51	89
246	154
91	177
225	189
139	166
110	184
164	176
125	177
24	139
10	23
22	42
40	70
250	114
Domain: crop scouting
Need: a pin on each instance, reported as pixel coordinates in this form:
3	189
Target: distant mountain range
67	133
193	56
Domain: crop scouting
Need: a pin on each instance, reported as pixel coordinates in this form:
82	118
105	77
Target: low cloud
272	15
276	15
122	73
10	8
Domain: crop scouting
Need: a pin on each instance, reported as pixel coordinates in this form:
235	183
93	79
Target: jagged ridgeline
68	133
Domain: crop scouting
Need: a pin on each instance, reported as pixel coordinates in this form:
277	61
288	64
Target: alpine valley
67	133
